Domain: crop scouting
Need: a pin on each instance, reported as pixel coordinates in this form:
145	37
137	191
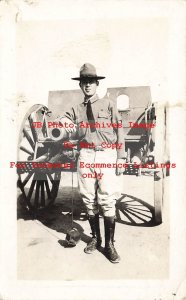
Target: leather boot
95	242
110	251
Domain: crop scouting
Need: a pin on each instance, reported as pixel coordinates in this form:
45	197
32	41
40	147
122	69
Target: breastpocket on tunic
104	120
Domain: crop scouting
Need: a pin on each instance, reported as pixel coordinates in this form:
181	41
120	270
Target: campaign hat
88	71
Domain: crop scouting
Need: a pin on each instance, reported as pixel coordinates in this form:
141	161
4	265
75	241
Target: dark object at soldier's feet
72	237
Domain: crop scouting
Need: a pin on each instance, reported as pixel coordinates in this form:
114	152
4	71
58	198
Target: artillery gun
42	154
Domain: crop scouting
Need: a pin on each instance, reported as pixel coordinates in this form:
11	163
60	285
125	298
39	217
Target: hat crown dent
88	70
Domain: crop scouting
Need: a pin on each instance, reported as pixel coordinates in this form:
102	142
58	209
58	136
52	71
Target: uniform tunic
107	116
99	186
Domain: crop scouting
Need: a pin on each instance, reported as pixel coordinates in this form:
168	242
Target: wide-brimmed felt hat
88	71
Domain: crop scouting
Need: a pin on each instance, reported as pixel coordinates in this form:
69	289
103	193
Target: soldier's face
89	86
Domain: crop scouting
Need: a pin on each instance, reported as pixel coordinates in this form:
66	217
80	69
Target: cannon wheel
159	152
39	187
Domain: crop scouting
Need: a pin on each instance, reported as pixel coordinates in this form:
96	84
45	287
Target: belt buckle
98	148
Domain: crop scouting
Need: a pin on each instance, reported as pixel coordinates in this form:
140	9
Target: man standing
98	147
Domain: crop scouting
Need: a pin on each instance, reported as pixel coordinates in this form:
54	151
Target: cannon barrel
60	134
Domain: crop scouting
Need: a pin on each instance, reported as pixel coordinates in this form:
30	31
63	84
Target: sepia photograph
93	165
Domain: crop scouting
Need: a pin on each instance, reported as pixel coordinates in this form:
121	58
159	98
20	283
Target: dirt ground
143	246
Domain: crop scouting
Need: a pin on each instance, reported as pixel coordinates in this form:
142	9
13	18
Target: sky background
129	52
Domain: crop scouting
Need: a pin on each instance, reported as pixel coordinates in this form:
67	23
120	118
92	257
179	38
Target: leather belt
96	148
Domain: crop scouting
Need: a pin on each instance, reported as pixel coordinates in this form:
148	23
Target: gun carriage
42	155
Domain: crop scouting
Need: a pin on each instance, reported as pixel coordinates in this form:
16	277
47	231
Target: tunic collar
92	99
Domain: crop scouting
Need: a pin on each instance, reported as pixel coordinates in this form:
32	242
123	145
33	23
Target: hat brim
85	77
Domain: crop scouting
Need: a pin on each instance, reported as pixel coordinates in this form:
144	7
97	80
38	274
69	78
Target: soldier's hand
68	125
122	162
71	129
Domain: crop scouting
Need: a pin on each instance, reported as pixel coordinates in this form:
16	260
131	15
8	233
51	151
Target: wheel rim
39	186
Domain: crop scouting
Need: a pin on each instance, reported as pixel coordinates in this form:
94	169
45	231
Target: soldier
99	187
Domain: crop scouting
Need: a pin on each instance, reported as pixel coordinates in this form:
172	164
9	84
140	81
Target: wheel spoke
31	189
42	194
55	188
36	200
27	178
134	205
128	217
135	215
26	150
29	139
47	189
139	213
126	201
50	177
34	133
138	209
55	185
20	185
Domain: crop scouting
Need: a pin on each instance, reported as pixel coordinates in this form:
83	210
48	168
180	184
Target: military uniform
98	146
